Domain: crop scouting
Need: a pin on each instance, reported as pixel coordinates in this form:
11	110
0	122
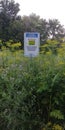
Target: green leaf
57	114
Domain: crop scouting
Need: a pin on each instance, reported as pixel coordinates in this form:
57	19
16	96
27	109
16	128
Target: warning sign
31	43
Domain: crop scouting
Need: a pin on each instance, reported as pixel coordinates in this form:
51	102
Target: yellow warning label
31	42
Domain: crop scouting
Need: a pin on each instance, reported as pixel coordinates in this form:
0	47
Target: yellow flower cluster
57	127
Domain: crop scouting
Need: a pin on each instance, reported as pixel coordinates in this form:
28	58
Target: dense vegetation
32	91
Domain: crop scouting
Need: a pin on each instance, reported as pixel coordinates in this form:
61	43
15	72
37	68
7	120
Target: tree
8	13
9	8
42	28
16	30
34	23
56	30
51	29
29	24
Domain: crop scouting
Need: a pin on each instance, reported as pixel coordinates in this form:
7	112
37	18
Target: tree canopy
8	13
13	26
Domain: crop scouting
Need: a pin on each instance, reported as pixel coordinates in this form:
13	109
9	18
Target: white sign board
31	44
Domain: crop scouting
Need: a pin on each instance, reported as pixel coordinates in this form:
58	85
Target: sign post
31	44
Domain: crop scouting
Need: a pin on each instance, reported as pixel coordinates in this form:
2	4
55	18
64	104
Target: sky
46	9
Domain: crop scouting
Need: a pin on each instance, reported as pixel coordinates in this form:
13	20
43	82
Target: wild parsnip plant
32	91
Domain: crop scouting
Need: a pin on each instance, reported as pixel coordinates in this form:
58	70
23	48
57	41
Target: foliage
51	29
32	91
57	127
8	14
50	126
52	46
56	30
13	26
13	46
